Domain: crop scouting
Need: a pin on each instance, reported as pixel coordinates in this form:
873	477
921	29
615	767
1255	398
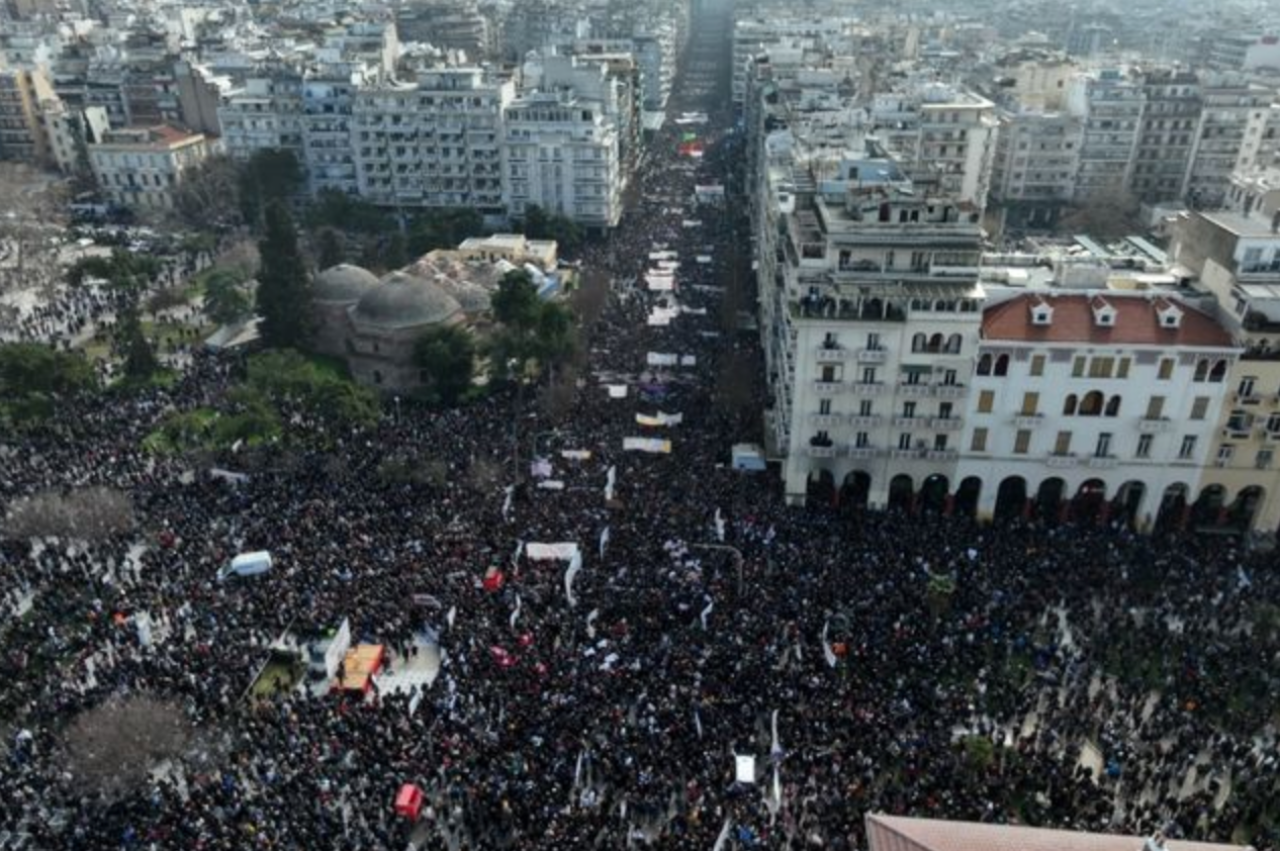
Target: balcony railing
871	355
827	387
1103	462
908	422
827	354
1154	425
946	423
822	451
826	420
1060	461
867	388
942	455
863	453
869	421
1028	420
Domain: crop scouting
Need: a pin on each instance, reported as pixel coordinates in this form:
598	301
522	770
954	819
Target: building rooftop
1242	225
1135	320
896	833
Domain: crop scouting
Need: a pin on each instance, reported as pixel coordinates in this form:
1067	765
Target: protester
1114	676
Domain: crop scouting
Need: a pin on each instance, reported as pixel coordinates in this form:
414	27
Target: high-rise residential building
1172	104
328	96
22	133
1036	165
1109	103
435	142
266	113
1227	137
563	155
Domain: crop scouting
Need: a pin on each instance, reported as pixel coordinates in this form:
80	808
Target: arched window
984	365
953	344
1202	370
1219	372
1091	404
918	343
1069	406
936	342
1002	365
1113	406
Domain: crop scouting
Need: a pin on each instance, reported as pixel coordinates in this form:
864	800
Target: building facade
141	167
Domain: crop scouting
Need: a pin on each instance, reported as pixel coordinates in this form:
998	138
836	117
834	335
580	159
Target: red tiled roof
1137	322
896	833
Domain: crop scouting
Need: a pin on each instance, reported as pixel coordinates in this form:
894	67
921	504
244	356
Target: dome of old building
342	283
401	300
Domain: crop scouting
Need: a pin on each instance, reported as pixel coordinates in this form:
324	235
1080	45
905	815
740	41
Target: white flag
719	526
706	613
591	623
515	615
575	565
611	479
604	540
827	652
509	490
453	613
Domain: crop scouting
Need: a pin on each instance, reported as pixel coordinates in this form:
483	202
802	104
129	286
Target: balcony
1028	420
1155	425
822	451
908	422
946	423
871	355
827	388
906	454
949	391
942	455
1103	462
867	388
863	453
827	354
826	420
870	421
1061	461
915	391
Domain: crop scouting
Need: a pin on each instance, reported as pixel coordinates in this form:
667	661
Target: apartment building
1232	119
1036	164
328	98
265	113
142	167
22	133
435	142
1109	104
563	155
1172	105
1095	407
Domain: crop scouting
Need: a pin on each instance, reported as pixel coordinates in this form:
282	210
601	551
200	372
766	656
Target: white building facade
1093	408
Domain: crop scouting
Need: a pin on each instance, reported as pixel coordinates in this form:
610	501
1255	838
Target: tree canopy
33	375
225	300
446	356
284	286
530	327
289	378
539	224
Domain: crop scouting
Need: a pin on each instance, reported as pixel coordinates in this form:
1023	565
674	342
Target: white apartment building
1037	159
432	143
265	113
1093	407
141	167
1229	133
1110	105
328	97
562	154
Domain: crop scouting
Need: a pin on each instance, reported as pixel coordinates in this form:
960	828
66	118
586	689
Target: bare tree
484	474
86	514
241	258
557	397
113	747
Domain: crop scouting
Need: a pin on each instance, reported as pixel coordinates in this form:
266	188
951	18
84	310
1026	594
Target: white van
246	564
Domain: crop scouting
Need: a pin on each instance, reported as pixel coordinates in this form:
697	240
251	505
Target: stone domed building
333	293
384	325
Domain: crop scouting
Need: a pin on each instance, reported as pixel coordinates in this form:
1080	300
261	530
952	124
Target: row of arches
1051	502
937	344
1091	404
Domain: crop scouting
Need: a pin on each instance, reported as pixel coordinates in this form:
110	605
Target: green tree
447	356
444	228
225	301
330	250
33	376
539	224
396	254
335	209
270	175
287	377
516	301
123	270
284	287
140	361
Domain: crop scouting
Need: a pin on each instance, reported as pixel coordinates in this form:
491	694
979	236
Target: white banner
661	359
688	360
610	482
551	485
646	444
604	540
659	419
337	650
744	769
576	454
575	567
545	552
616	391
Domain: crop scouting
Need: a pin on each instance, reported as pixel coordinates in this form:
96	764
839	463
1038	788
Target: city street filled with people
697	665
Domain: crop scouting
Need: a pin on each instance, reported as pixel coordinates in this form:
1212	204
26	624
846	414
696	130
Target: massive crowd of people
1068	676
